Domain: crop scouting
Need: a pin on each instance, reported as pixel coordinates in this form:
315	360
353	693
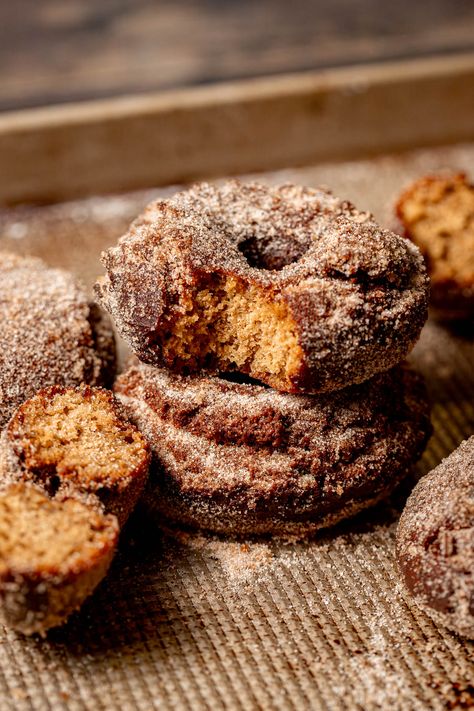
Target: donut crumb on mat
241	561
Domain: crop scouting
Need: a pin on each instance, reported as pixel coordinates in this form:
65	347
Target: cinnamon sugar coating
437	213
50	333
71	470
242	459
286	284
435	541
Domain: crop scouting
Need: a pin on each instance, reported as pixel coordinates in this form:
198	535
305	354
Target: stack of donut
270	327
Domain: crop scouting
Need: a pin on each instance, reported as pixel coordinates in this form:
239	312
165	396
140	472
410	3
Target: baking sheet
188	622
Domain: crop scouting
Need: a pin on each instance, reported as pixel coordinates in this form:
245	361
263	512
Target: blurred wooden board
53	51
123	144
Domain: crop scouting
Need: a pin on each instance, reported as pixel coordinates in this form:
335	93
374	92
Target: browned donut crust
69	461
242	459
287	284
50	333
437	213
435	541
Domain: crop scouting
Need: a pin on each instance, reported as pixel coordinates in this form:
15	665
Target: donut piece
71	470
76	441
52	556
50	333
289	285
437	213
435	541
242	459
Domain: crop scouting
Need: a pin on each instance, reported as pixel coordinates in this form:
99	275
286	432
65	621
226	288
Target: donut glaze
50	334
435	541
289	285
242	459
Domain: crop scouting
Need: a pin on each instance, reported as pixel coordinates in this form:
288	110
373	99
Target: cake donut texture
52	556
289	285
50	333
437	213
435	541
71	470
241	459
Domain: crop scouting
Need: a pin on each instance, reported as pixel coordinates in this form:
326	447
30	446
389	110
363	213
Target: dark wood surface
54	51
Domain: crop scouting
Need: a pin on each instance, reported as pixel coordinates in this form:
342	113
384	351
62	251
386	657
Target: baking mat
188	622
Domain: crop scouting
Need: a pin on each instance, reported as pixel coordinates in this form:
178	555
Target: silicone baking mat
188	622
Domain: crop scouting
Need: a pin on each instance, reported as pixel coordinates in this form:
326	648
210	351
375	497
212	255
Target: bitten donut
289	285
437	213
71	470
435	541
50	333
242	459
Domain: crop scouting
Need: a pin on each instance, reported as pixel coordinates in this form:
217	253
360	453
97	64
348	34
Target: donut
288	285
437	213
50	333
435	542
71	471
241	459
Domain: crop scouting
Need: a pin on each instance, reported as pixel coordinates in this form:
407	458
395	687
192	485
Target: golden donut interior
231	324
76	436
439	214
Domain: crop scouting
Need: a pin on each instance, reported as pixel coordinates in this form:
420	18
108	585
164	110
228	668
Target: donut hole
439	215
272	254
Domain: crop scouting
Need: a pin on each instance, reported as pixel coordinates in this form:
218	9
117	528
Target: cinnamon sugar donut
71	470
50	333
435	541
437	213
289	285
242	459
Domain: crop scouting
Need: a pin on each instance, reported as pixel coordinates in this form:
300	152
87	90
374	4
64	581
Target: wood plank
54	51
121	144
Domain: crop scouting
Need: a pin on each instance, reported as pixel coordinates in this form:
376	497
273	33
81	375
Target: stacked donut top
286	284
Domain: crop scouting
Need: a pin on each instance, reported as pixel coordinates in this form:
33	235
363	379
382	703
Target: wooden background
55	51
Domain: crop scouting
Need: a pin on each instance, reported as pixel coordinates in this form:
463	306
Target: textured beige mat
193	623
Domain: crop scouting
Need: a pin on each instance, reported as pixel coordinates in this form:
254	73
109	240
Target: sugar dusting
49	332
242	562
293	463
